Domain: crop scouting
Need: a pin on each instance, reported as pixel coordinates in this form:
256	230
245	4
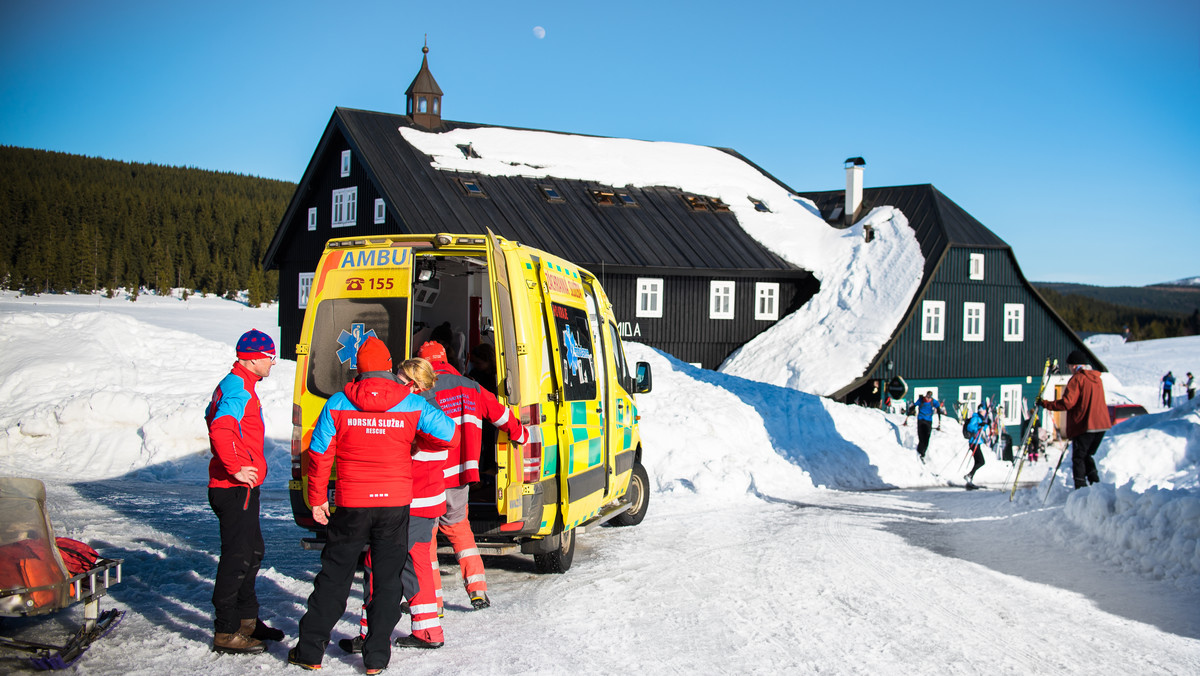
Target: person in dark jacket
1168	384
237	469
369	428
1087	417
1190	384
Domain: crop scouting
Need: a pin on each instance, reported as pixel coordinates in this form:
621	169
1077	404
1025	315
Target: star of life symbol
574	353
350	341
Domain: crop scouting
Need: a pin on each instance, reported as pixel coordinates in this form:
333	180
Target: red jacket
370	428
1083	400
235	429
468	404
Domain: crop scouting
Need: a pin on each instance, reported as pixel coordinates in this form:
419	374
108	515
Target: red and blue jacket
468	404
235	429
370	428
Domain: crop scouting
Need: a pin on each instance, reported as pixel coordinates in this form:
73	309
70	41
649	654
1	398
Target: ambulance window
619	356
575	349
339	329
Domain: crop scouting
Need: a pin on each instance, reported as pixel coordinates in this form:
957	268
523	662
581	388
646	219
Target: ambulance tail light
531	452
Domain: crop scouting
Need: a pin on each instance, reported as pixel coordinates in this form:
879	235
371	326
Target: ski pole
1054	475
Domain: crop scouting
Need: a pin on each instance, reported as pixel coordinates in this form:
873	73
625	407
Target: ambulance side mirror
644	380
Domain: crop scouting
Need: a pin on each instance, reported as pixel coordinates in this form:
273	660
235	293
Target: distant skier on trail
1087	416
1168	383
925	407
978	426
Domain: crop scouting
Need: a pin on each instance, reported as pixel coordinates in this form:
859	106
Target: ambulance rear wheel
559	560
637	495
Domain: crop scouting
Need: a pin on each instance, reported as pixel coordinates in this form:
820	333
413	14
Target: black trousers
385	529
242	550
924	428
1083	447
977	453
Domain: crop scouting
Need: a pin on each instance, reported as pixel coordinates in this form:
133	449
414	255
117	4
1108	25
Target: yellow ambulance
560	366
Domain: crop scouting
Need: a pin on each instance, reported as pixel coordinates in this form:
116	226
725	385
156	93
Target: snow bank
865	288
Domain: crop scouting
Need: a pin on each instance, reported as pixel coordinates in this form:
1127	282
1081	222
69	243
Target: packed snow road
844	583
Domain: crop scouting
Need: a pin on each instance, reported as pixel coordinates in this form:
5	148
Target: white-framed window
1014	322
933	320
976	268
969	397
305	285
380	211
649	297
1010	405
973	322
766	300
345	163
720	300
345	207
312	219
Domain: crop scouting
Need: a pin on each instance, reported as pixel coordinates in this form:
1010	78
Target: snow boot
292	659
236	644
257	629
411	641
351	645
479	599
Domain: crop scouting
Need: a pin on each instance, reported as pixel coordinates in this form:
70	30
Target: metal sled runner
35	581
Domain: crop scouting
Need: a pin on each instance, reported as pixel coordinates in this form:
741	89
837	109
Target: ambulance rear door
506	278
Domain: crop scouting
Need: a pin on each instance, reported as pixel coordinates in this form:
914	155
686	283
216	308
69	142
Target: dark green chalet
977	329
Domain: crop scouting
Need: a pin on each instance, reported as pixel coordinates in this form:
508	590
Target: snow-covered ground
768	546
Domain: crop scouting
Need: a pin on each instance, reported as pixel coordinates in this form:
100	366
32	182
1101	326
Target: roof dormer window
695	202
603	197
626	199
759	205
471	188
551	194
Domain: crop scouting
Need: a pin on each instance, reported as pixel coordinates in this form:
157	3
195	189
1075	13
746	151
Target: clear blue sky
1071	129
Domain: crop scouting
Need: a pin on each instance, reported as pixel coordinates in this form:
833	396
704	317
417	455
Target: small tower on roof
424	96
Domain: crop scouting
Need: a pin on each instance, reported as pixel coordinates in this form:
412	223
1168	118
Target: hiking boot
351	645
236	644
371	671
257	629
479	599
292	659
411	641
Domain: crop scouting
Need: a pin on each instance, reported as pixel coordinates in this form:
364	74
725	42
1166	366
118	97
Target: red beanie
374	356
432	351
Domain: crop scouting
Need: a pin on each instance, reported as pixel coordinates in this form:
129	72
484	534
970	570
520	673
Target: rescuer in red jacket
468	404
369	428
237	469
1087	417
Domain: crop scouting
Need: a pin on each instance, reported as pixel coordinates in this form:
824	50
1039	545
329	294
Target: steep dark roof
661	232
424	83
935	218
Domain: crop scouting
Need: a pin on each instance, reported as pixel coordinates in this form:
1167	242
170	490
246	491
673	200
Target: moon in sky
539	32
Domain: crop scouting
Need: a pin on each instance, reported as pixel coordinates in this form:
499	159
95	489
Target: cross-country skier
926	406
1168	383
978	426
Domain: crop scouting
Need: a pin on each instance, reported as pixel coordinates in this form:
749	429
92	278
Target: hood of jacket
1091	376
375	394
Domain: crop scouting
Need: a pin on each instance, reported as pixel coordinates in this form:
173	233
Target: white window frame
304	286
766	300
380	210
972	322
345	208
1010	405
933	320
971	396
345	163
649	297
1014	322
721	299
312	219
975	269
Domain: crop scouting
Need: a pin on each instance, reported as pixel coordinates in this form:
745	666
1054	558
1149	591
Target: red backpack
78	556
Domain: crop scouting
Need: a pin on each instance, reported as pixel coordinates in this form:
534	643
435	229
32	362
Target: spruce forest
82	224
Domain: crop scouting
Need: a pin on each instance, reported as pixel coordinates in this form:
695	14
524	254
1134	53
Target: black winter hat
1077	357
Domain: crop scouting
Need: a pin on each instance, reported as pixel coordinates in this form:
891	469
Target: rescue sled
34	580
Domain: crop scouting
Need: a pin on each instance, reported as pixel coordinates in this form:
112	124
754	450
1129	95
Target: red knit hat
432	351
374	356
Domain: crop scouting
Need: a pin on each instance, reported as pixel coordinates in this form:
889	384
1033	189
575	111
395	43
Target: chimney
854	188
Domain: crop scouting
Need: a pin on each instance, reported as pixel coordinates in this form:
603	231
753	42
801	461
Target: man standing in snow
1190	384
1087	416
1168	383
926	406
237	469
369	429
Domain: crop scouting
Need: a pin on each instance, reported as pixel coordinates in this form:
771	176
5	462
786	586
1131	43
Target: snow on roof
865	288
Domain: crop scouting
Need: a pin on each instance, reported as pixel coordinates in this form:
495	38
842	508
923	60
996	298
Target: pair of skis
1049	368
